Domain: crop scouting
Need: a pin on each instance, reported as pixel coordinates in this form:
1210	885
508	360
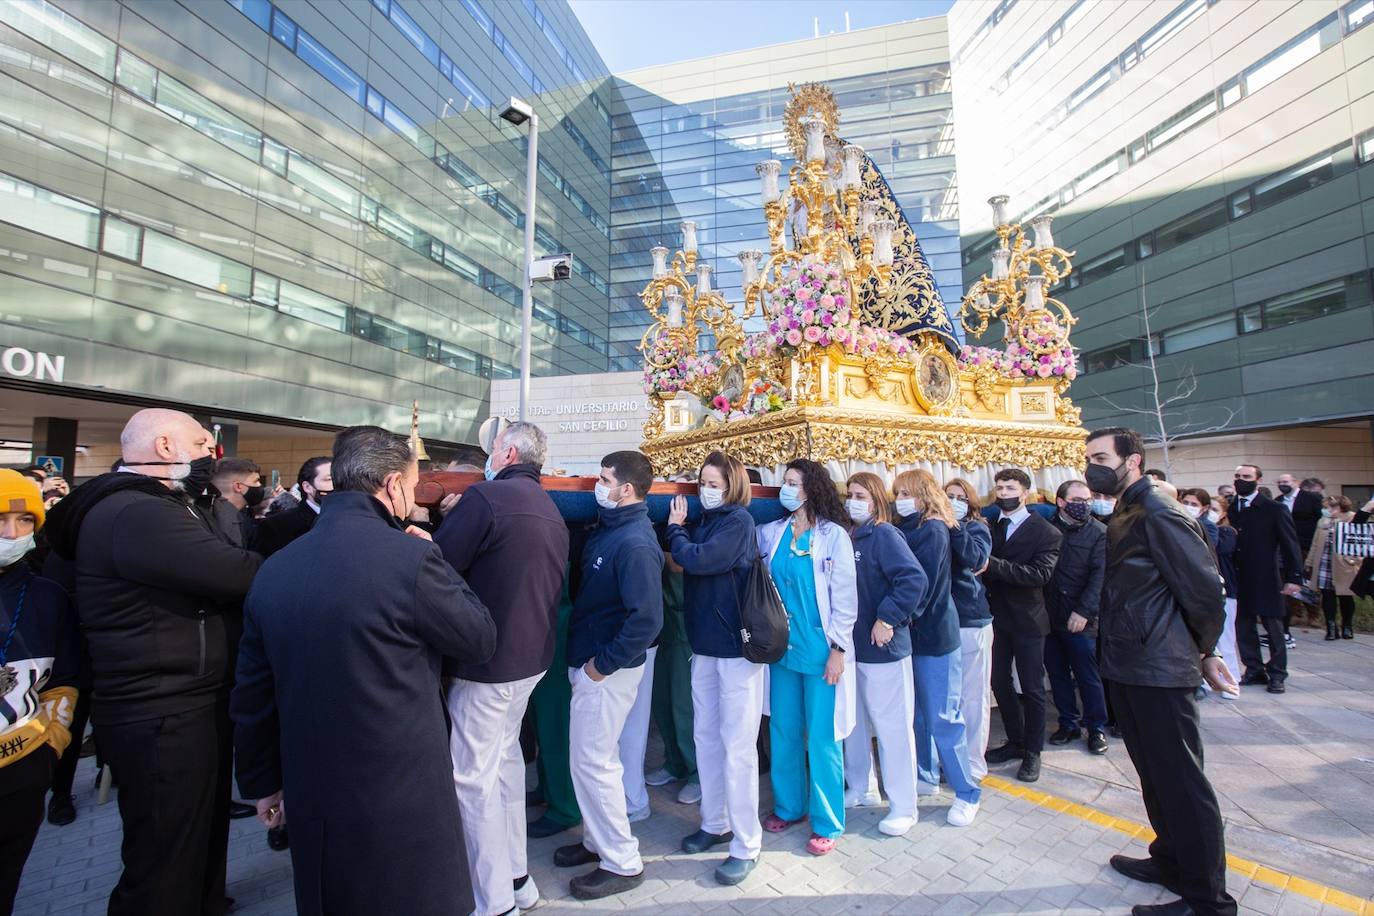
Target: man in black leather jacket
1162	612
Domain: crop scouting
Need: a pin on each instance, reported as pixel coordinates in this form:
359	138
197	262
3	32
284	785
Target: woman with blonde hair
926	520
716	554
970	545
891	587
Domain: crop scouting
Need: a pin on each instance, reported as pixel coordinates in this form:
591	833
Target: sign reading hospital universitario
584	416
18	362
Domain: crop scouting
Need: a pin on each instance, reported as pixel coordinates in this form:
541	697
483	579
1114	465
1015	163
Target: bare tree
1159	403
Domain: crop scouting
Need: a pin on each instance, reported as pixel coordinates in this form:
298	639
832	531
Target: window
121	239
480	15
1101	266
175	258
1241	204
1250	319
199	113
137	76
1198	334
1092	87
1292	55
40	210
374	102
330	67
1106	358
1182	122
412	33
1189	227
1171	24
283	29
274	156
66	35
456	357
322	183
1144	246
1364	144
1299	178
260	11
266	289
1231	92
1316	301
1357	14
310	306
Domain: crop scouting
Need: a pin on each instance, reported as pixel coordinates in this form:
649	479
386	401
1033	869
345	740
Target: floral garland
681	372
1041	352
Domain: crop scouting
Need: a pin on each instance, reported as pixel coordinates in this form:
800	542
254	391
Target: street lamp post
517	113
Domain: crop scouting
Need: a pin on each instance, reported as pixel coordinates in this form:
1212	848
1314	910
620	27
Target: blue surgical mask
487	471
906	507
960	508
790	497
1103	506
859	510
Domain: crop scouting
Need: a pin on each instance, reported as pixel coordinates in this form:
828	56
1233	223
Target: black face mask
1285	488
196	481
1009	504
253	495
1246	487
1102	479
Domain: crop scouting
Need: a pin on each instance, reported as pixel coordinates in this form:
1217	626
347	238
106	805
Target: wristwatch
838	648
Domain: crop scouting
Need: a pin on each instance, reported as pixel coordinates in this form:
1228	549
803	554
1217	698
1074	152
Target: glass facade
686	138
301	211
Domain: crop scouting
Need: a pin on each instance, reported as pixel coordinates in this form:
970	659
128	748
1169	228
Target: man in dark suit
1025	549
338	706
1268	566
276	531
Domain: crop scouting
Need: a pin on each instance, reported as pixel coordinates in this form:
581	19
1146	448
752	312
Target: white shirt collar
311	503
1017	517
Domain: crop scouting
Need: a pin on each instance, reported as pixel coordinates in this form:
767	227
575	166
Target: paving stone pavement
1295	774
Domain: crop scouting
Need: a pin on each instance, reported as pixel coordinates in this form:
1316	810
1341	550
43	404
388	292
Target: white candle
882	242
868	214
999	209
815	138
704	278
1001	257
673	299
749	266
768	171
1035	292
689	235
1041	226
853	164
660	256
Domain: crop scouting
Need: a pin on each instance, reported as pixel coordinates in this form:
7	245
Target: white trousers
634	740
727	706
975	653
596	718
1226	643
887	698
489	779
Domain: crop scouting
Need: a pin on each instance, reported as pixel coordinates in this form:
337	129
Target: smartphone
276	481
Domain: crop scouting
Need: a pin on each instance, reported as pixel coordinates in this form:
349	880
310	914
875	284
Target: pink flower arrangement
682	372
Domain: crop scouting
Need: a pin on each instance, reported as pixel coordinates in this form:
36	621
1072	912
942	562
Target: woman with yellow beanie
37	679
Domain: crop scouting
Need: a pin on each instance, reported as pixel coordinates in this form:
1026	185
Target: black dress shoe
1097	741
61	810
1065	735
1276	687
1254	677
239	810
1030	767
1145	870
545	826
602	883
1114	730
1173	908
1005	752
573	855
702	841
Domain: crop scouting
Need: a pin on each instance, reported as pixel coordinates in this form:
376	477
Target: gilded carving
1034	402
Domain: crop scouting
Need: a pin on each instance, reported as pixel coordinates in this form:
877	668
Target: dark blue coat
970	545
935	629
892	587
716	555
619	607
338	702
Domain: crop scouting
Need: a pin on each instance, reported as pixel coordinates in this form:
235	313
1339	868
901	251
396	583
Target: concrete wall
585	416
1342	456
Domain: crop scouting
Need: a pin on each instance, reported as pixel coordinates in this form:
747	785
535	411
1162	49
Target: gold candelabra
681	308
1013	293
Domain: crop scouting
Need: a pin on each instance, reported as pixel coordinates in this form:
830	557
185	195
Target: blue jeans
1071	661
807	764
940	724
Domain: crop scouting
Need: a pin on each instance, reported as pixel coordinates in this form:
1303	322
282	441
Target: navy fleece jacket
935	629
619	606
716	555
892	587
970	545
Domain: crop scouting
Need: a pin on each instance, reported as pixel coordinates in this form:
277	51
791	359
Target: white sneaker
896	825
690	794
659	777
636	816
924	788
527	897
961	813
867	800
1227	695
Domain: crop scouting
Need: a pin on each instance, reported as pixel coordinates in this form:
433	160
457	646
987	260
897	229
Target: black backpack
764	630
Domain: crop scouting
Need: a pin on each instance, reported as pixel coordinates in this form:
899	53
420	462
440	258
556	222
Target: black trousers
1248	645
1023	717
1159	726
174	775
64	774
1347	603
23	784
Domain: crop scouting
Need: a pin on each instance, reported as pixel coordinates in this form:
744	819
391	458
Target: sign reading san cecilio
586	416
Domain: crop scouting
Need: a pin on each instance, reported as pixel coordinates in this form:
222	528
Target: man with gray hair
158	594
338	706
506	537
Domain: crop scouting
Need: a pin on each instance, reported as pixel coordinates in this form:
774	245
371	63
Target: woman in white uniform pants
970	545
716	553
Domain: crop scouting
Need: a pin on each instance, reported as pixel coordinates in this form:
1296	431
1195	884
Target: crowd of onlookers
400	655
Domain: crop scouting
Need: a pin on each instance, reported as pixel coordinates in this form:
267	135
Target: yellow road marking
1280	881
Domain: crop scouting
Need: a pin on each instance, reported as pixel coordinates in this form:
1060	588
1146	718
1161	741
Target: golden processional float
856	364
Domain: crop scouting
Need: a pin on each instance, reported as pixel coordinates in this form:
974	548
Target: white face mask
711	498
906	507
859	510
960	508
1214	515
791	497
1194	511
603	496
12	550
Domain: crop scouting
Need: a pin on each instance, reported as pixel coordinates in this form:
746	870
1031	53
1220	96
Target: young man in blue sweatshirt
616	615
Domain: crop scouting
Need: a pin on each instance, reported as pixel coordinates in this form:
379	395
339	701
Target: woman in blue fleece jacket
716	554
892	587
927	520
